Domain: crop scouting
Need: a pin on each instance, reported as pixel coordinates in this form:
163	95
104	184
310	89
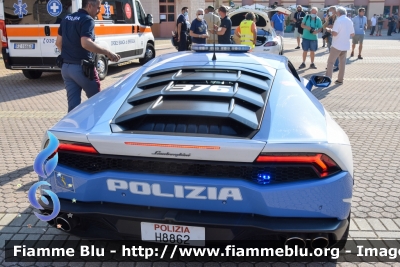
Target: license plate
173	234
24	46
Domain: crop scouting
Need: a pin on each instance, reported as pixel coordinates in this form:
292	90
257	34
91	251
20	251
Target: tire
102	66
149	54
32	74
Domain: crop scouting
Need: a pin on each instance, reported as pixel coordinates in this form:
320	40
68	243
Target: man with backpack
311	25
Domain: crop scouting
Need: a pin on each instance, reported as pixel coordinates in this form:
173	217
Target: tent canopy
256	6
294	7
347	8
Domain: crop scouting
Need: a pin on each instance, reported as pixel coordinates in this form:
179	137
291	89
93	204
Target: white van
28	32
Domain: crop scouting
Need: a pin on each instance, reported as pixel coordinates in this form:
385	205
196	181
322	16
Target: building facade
165	12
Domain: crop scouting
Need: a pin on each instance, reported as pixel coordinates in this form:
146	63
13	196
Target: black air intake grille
246	171
231	102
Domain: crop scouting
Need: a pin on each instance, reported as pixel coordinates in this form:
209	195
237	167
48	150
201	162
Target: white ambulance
28	32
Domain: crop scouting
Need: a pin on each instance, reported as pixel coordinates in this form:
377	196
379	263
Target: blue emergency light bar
220	48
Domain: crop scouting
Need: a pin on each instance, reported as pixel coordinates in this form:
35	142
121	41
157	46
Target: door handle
47	30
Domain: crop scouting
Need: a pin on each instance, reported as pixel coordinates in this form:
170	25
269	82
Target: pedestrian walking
341	32
297	19
224	30
360	25
396	18
311	25
391	22
75	40
198	28
247	31
380	25
373	24
329	24
324	33
278	23
182	29
212	19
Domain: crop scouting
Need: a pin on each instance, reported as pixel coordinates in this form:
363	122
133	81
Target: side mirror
149	20
318	81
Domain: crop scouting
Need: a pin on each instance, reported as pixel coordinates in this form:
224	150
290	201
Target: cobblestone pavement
366	106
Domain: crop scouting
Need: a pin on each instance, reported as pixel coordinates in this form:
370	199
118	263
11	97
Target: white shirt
344	28
373	21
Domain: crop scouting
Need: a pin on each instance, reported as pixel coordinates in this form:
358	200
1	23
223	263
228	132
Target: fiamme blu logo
44	165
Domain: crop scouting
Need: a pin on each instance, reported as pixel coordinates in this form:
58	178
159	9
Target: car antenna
214	58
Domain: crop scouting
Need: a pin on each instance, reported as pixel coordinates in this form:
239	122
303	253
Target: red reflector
78	148
3	34
324	164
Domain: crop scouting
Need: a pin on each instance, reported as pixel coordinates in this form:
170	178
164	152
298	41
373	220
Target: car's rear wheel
32	74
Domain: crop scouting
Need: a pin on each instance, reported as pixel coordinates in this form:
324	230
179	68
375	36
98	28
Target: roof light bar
220	48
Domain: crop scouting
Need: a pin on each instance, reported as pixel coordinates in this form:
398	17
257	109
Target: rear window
118	12
237	19
28	12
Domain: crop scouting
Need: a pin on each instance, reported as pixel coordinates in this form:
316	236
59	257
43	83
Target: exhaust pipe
66	224
319	242
295	241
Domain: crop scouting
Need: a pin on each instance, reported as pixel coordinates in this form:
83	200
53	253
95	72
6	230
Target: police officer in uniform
247	31
75	40
182	29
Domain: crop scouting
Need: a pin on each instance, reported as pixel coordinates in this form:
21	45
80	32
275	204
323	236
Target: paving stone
362	234
390	224
376	224
126	264
7	219
388	235
363	224
4	238
9	229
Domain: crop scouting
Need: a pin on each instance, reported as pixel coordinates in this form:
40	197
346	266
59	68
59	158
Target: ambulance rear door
24	47
51	12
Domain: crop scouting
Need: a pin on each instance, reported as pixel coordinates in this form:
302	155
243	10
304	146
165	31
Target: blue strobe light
263	178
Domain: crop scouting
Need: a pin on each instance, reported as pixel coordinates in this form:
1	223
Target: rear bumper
102	220
28	63
318	198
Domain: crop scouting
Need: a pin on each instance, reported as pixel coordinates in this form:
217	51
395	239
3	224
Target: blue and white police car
203	145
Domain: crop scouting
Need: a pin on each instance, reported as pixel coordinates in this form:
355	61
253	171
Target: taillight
322	163
271	43
3	34
77	147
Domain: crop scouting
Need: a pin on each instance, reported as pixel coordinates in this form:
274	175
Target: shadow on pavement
321	93
16	86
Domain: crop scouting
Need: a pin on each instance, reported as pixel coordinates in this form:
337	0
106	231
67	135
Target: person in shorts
278	23
360	25
311	25
297	19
